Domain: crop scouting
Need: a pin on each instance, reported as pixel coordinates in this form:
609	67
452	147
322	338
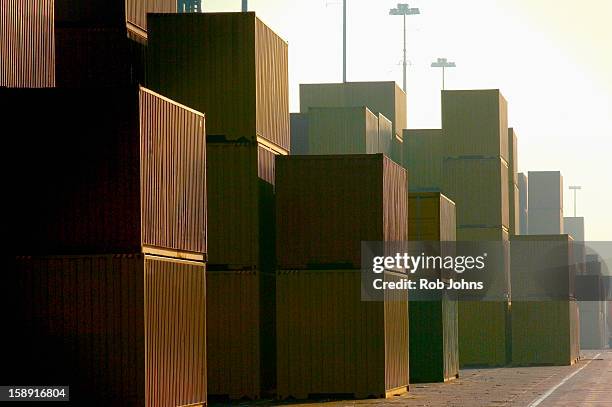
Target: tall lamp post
575	188
404	9
245	6
443	63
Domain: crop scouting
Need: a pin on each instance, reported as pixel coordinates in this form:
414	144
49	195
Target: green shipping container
423	157
434	352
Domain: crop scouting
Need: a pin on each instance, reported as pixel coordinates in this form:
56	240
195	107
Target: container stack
476	177
523	201
545	320
545	203
233	67
424	151
434	352
593	332
329	340
514	211
385	100
109	278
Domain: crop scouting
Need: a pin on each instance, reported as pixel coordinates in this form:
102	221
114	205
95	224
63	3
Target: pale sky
552	60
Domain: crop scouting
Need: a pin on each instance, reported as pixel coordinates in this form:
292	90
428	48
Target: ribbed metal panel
26	44
89	197
327	205
228	65
175	332
431	217
173	174
385	135
342	130
233	342
136	10
484	334
331	342
479	187
423	158
272	81
475	122
83	324
265	164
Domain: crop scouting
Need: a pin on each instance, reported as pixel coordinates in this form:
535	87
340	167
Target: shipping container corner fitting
229	65
319	198
117	171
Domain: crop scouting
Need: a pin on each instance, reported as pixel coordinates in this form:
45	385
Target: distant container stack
329	340
384	99
110	273
545	203
523	184
434	351
545	320
234	68
593	325
423	157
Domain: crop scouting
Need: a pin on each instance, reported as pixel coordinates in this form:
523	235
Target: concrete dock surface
586	383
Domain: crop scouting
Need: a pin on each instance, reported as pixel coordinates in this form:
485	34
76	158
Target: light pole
245	6
344	41
443	63
575	188
403	9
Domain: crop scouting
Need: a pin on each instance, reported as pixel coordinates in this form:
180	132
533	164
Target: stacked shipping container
523	203
545	320
434	352
593	332
423	158
545	202
514	225
112	239
233	67
329	341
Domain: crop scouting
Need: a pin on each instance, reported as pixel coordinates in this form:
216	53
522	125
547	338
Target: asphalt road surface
587	383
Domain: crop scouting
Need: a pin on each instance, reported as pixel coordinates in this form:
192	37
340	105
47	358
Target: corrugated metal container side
434	350
299	133
484	333
100	323
423	157
544	333
545	190
523	185
229	65
97	57
512	156
431	217
342	130
380	97
475	122
241	333
397	149
331	342
327	205
136	11
27	48
593	333
241	219
385	135
109	187
514	210
479	188
545	221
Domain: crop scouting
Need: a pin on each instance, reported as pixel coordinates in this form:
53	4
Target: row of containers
119	216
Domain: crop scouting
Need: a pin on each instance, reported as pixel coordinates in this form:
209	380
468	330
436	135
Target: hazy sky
552	60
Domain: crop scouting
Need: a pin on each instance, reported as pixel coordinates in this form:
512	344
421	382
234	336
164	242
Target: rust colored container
327	205
127	174
331	342
240	217
229	65
241	340
26	44
119	329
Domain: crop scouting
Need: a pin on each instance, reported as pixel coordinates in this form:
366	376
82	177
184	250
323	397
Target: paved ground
587	383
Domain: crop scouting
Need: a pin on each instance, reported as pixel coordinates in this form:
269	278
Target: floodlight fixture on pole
443	63
404	9
575	188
